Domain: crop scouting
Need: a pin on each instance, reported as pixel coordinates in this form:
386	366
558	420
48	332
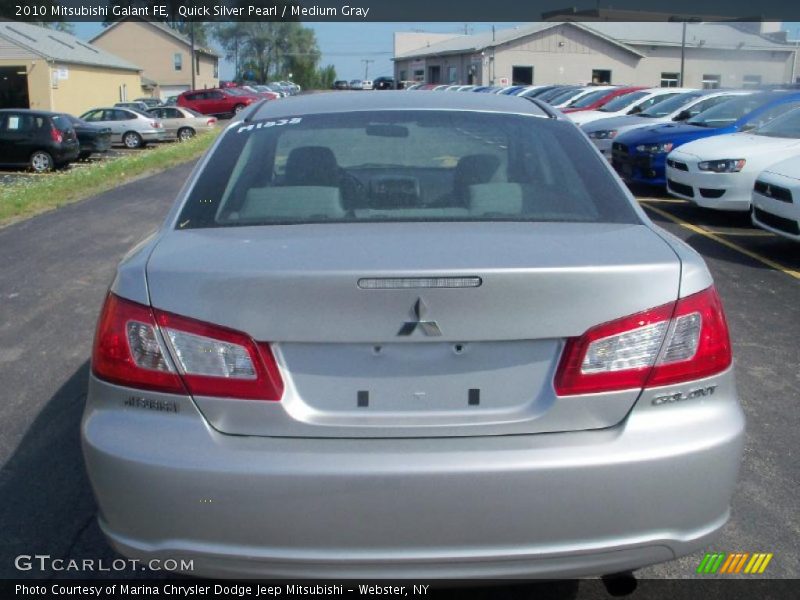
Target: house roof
625	35
164	28
60	47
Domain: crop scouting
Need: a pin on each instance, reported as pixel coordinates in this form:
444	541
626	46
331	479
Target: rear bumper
655	487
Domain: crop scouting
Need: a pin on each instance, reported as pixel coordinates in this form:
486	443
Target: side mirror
682	116
635	110
748	127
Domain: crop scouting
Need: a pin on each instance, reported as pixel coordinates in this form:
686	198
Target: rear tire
41	162
132	140
238	108
185	133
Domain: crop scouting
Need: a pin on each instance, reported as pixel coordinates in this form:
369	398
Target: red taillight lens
669	344
56	135
131	349
128	351
216	361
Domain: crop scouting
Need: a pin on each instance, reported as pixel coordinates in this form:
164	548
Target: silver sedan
424	335
129	127
183	123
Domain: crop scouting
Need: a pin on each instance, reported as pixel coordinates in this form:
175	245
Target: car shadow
48	507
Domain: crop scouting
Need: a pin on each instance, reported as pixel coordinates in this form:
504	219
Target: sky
347	45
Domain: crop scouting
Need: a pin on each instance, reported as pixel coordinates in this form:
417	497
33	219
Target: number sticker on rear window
268	124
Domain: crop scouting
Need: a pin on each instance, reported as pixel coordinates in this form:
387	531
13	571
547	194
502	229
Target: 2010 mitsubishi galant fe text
410	335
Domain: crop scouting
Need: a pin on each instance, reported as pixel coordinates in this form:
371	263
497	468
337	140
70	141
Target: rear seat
495	199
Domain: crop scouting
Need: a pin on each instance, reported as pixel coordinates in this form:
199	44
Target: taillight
669	344
56	135
130	349
211	121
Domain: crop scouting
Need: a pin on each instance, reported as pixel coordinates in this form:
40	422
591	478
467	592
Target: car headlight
603	134
661	148
726	165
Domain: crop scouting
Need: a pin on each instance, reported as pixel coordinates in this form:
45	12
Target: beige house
642	53
49	70
163	53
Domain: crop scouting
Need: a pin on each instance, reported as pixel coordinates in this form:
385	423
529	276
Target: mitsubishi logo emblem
418	312
768	191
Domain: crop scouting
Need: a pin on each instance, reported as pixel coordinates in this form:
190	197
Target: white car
776	199
678	108
629	104
366	84
719	172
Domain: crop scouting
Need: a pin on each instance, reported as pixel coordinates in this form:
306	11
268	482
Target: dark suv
38	139
384	83
217	101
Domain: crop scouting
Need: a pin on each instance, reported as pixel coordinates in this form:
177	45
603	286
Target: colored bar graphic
736	562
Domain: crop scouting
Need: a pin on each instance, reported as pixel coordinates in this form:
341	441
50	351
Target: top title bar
399	10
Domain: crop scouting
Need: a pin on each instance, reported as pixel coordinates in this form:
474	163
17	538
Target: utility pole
191	58
683	51
366	62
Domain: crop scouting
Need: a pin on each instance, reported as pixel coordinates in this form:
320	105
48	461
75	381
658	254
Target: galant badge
427	327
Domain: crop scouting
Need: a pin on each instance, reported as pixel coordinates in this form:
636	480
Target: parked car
413	86
37	139
598	98
129	127
632	103
776	199
150	102
341	84
183	123
141	106
384	83
93	139
556	91
171	101
639	156
518	381
227	101
678	108
366	84
719	172
265	93
356	84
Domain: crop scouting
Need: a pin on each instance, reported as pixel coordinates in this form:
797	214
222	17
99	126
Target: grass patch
34	194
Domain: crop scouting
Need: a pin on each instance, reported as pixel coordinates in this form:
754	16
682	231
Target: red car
217	101
599	98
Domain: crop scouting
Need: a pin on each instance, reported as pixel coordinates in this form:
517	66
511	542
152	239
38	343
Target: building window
669	79
751	81
435	74
177	61
521	75
711	82
402	75
197	63
419	75
601	76
216	69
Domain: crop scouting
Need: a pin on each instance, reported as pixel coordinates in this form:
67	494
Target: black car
384	83
37	139
92	138
341	84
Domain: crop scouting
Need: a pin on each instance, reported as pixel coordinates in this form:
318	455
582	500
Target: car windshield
785	126
623	101
386	166
729	112
590	98
237	92
669	106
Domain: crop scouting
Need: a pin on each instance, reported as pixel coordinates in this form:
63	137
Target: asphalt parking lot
58	265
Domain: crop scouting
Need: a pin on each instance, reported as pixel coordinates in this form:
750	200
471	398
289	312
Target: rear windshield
623	101
404	166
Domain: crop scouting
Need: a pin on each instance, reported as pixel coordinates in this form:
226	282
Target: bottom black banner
618	587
